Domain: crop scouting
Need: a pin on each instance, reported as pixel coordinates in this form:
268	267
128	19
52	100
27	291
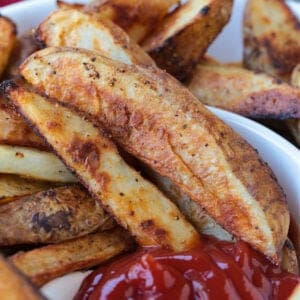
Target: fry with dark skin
252	94
134	202
51	216
14	285
271	38
46	263
182	38
161	123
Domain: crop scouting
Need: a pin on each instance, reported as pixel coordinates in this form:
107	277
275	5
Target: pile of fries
94	105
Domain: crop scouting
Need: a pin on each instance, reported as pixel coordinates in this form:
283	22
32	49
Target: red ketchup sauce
214	270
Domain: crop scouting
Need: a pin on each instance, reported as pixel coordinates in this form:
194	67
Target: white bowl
282	157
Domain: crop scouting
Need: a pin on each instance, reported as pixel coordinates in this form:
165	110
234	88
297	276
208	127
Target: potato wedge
252	94
137	17
33	163
63	4
72	28
51	216
46	263
23	47
160	122
14	131
178	43
8	33
271	38
14	285
14	186
191	209
294	125
135	203
289	258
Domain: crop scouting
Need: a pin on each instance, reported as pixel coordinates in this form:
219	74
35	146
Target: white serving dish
282	157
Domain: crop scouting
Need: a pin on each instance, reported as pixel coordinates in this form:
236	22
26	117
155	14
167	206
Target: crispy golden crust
271	38
14	186
289	261
245	92
46	263
13	285
72	28
135	203
14	131
160	122
23	47
178	43
137	17
8	34
62	4
51	216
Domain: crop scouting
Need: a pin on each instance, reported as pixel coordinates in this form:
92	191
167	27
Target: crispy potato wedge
14	285
51	216
135	203
271	38
137	17
14	186
294	125
161	123
14	131
46	263
23	47
252	94
63	4
72	28
8	33
178	43
33	163
191	209
289	261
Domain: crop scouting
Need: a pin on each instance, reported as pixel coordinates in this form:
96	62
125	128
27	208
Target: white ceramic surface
282	156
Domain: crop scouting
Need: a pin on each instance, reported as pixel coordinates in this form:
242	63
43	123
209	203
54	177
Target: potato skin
177	45
51	216
8	33
271	38
160	122
252	94
46	263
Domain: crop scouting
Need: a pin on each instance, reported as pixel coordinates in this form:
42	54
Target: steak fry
13	285
178	43
136	204
51	216
252	94
160	122
72	28
46	263
271	38
8	33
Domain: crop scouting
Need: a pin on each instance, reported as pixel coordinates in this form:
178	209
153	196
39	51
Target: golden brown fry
245	92
23	47
14	186
62	4
14	131
72	28
182	38
161	123
46	263
271	38
136	204
33	163
289	261
294	125
191	209
8	34
137	17
14	285
51	216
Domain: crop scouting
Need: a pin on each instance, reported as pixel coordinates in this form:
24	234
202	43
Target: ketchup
215	270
